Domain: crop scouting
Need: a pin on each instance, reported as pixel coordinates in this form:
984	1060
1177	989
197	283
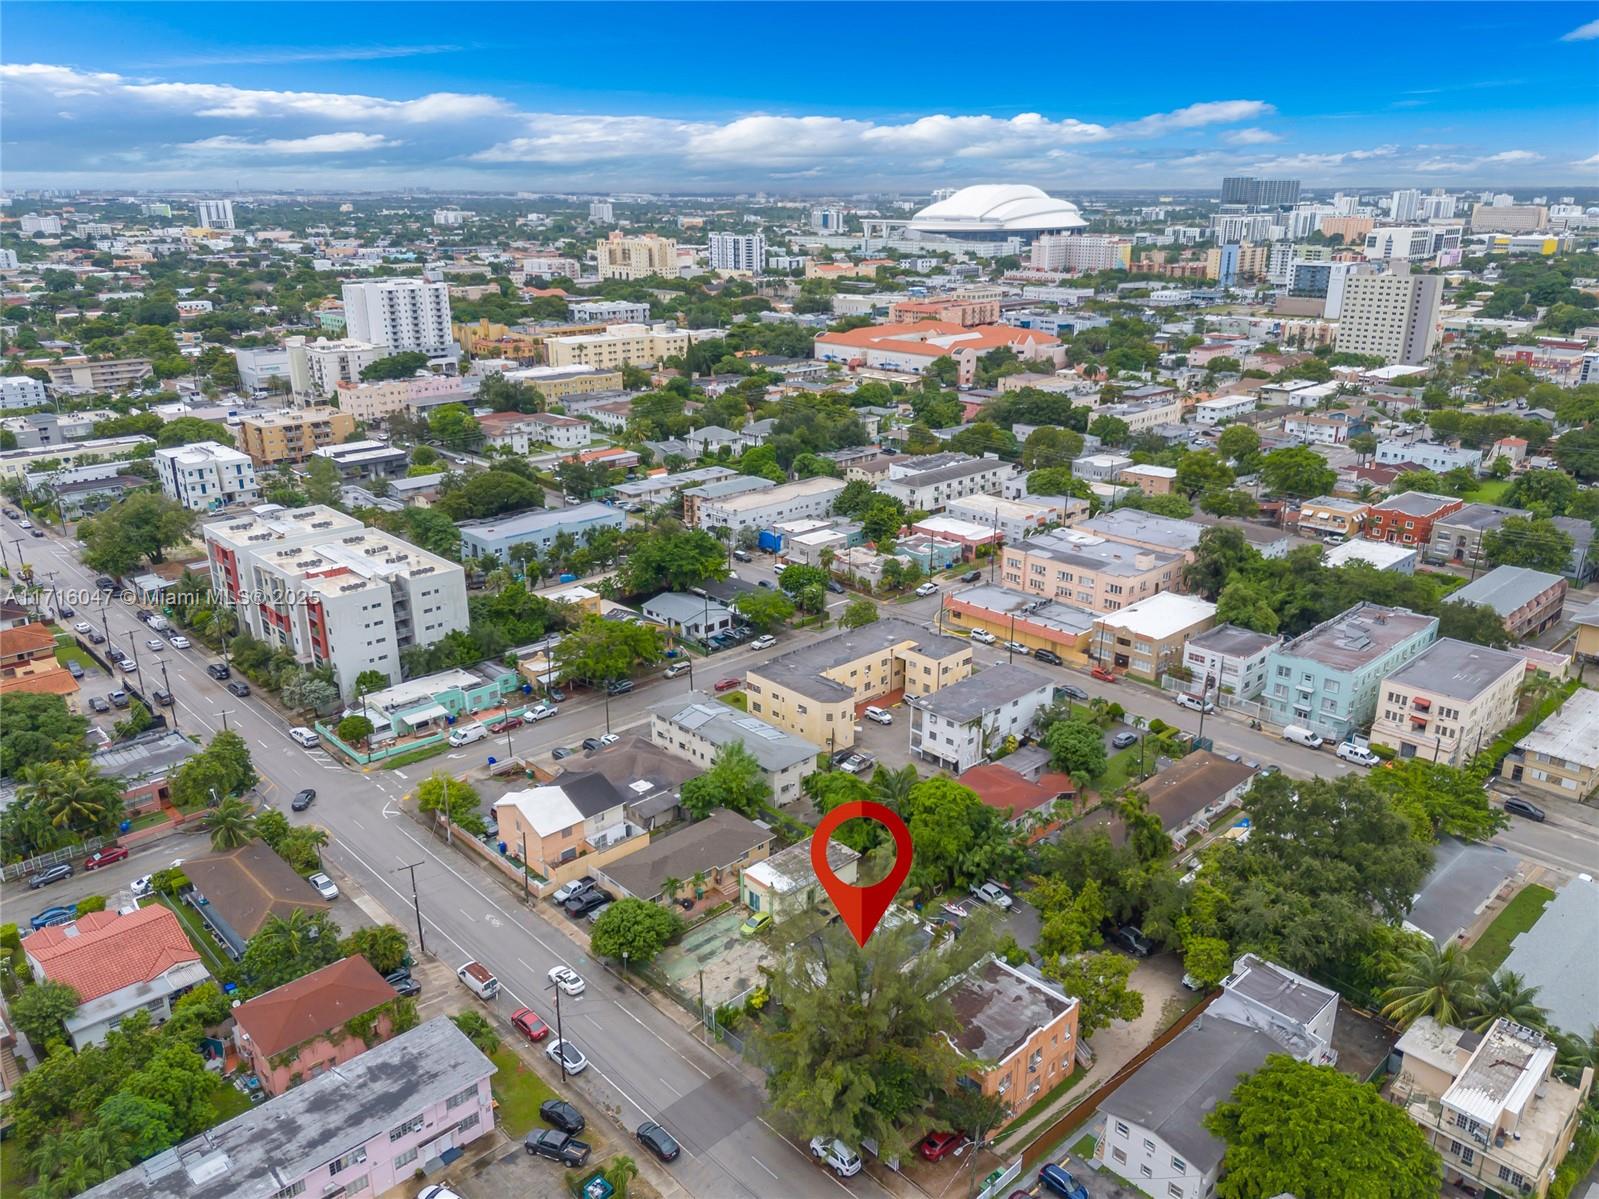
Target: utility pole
560	1037
133	640
167	687
526	894
224	714
421	939
1203	701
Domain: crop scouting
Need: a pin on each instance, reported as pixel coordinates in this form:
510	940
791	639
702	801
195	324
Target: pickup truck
992	893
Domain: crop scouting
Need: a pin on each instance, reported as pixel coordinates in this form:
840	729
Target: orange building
1020	1030
912	348
953	310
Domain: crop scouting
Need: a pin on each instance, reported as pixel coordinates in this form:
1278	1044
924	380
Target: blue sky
821	97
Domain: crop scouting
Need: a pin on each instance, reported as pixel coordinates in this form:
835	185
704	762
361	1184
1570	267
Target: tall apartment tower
1404	205
402	314
738	252
623	257
1260	193
829	220
214	214
1393	315
601	211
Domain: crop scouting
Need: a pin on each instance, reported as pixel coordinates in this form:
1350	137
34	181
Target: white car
1358	754
927	589
879	715
325	886
983	637
763	642
1016	647
570	982
677	668
1194	704
82	626
576	1063
142	888
837	1156
305	737
539	712
179	641
24	524
610	738
155	643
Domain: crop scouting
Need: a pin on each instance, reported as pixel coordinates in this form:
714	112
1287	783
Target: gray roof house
696	616
1464	878
696	725
1547	955
538	527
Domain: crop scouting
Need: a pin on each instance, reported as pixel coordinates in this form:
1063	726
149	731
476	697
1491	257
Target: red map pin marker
861	907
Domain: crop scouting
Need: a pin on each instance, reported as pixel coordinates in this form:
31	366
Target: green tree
453	427
353	730
490	493
133	531
71	795
620	1173
137	1126
1077	747
1051	446
369	681
1442	983
1111	430
766	607
673	561
41	1007
959	840
1297	471
479	1031
308	691
1240	445
735	781
1534	542
859	611
38	728
1069	922
403	365
1099	982
323	483
1472	622
451	801
635	928
1315	1132
231	824
600	650
1439	799
1207	960
187	429
382	945
1199	471
1247	605
287	947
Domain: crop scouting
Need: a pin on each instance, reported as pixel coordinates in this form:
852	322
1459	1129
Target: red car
509	722
936	1146
104	857
1103	675
528	1023
728	684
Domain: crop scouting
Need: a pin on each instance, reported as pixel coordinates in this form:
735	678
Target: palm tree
619	1173
71	794
893	787
670	887
317	838
1576	1054
1506	995
1429	982
291	933
231	824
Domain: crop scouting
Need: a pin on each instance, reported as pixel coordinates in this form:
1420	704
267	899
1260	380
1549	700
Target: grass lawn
519	1092
1520	914
14	1176
71	653
735	699
1121	769
1489	491
198	936
1084	1148
149	820
228	1101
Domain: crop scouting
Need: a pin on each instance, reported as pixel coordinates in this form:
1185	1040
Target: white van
467	733
1358	754
1300	735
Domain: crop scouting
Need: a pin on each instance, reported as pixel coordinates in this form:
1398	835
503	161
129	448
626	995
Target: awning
423	715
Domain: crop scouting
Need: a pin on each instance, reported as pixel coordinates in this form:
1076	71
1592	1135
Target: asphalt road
643	1065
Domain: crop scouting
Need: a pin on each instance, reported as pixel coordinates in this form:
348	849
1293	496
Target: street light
167	687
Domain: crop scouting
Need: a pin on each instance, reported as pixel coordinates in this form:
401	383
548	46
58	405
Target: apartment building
497	536
1489	1103
400	315
912	348
1429	455
1527	601
273	438
1081	252
608	312
1222	409
1148	638
14	464
1448	701
629	258
1018	518
561	383
22	391
1329	678
214	214
1561	756
958	726
77	373
362	461
815	691
1457	537
205	475
1228	660
741	253
1393	316
929	483
618	346
1088	570
764	508
379	401
954	310
1333	516
1149	478
695	726
1018	1028
1318	428
1508	218
332	591
1145	530
581	813
1408	518
522	431
322	367
719	490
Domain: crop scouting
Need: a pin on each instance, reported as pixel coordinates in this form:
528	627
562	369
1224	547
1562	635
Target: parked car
765	641
239	687
50	874
619	687
568	980
992	893
219	672
835	586
582	905
570	1054
51	916
82	626
302	800
1513	804
74	669
562	751
596	913
983	637
837	1156
1057	1180
972	576
506	724
437	1191
64	612
936	1146
556	1145
96	704
575	887
558	1113
477	978
154	643
1123	740
928	588
878	715
729	684
1193	703
161	696
758	922
1300	735
405	988
105	582
1103	675
305	737
1048	657
466	734
658	1141
527	1022
538	712
591	743
742	556
1131	938
1358	754
104	857
95	637
178	640
1073	691
118	698
325	886
1016	647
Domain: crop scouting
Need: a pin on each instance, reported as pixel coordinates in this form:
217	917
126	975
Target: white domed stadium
991	211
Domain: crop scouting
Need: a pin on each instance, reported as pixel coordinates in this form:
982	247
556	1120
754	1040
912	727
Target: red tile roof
312	1005
26	640
933	339
998	786
105	951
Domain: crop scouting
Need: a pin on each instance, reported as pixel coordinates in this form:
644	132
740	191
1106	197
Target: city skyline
559	100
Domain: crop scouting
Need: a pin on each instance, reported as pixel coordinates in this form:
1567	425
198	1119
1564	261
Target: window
1179	1165
470	1122
1149	1145
467	1096
1146	1171
354	1158
1121	1130
1119	1157
414	1124
293	1189
405	1159
1175	1191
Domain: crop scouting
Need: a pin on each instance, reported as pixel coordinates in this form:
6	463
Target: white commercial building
1390	242
32	223
1405	204
1222	408
399	314
317	368
602	211
1393	316
1081	252
608	312
261	364
332	591
1228	660
1017	518
930	483
22	391
961	724
214	214
206	475
738	252
763	509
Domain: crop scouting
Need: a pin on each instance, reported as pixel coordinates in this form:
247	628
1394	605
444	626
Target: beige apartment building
1330	516
1393	315
1561	756
79	373
623	257
1089	571
618	346
814	692
276	437
1448	701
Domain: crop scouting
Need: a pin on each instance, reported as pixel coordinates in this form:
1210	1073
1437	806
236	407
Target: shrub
91	903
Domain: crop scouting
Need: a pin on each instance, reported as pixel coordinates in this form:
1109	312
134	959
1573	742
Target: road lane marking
658	1037
763	1165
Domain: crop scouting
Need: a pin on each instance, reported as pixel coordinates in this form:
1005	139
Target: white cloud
1444	166
1251	137
1583	33
318	143
1590	161
1195	116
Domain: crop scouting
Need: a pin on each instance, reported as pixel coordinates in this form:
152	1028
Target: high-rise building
622	257
1238	189
1081	252
1404	205
831	220
1437	207
214	214
1243	226
32	223
601	211
1324	280
402	314
1508	218
1260	193
1393	316
738	252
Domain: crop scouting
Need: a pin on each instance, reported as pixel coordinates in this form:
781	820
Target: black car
96	704
1047	656
556	1145
239	687
835	586
1073	691
1522	808
65	613
620	687
218	672
582	905
302	800
560	1114
95	638
36	533
972	576
592	743
51	874
1131	938
105	582
658	1141
161	696
407	987
398	975
12	513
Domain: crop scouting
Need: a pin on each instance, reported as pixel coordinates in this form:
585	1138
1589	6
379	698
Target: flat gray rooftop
1458	669
1505	588
1233	641
983	692
1363	634
801	669
1549	956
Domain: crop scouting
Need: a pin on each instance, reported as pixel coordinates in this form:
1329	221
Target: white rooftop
1570	733
1160	616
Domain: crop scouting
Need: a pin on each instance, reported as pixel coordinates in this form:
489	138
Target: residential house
301	1030
1428	455
1289	1008
1329	677
1020	796
28	663
659	489
648	776
959	725
236	892
118	964
1543	956
1489	1103
1228	660
1464	879
1018	1029
697	725
695	616
1527	601
1319	428
362	461
785	884
815	691
144	765
713	439
1147	638
1149	479
1561	756
1333	516
1192	792
553	824
365	1127
762	509
1019	518
1458	537
1380	555
1408	518
1587	626
434	701
708	856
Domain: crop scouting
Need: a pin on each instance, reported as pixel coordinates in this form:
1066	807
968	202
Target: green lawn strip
14	1174
735	699
1042	1105
416	755
1520	914
149	820
197	933
1084	1148
1489	491
519	1092
1120	769
228	1101
71	653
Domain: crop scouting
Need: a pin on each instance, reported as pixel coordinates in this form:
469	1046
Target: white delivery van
1300	735
1358	754
467	733
478	980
